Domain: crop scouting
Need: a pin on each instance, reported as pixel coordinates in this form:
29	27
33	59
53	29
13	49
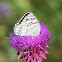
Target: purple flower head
4	9
31	48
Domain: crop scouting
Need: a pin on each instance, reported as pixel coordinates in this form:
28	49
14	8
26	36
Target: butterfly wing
28	25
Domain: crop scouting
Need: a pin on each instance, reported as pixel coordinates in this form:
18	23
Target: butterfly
27	25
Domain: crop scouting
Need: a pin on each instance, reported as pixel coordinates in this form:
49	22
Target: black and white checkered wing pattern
28	25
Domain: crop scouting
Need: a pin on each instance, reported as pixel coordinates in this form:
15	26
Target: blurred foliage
48	11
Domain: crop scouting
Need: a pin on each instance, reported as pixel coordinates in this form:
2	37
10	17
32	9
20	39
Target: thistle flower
31	48
4	9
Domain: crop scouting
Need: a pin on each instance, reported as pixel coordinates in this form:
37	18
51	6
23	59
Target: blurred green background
47	11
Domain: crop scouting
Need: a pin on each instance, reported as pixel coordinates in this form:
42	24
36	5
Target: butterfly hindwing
28	25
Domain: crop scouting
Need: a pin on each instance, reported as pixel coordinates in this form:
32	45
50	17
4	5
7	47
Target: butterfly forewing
28	25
